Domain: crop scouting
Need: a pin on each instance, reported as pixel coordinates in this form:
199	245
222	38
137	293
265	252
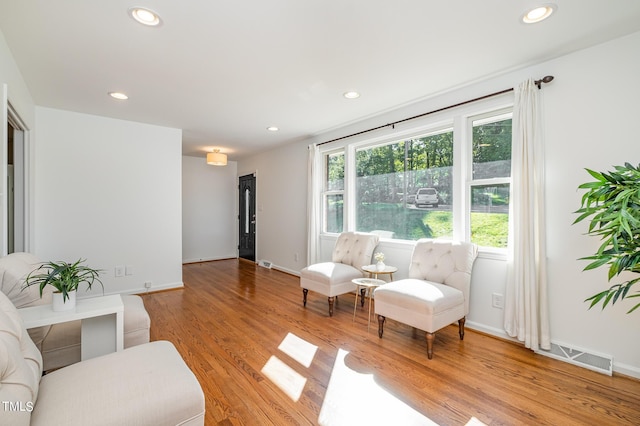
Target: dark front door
247	216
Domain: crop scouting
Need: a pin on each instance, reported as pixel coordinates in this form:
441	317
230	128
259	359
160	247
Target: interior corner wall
209	210
109	191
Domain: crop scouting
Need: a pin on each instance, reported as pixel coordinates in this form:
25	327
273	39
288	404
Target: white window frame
460	119
326	192
487	117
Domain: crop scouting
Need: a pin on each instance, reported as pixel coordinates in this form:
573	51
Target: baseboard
208	259
143	290
626	370
286	270
491	331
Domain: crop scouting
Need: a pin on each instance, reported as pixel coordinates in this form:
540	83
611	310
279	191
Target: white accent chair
436	293
352	251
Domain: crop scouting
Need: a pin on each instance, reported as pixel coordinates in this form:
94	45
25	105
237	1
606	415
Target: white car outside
426	197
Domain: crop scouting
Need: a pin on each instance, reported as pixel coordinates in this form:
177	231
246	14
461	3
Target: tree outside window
389	178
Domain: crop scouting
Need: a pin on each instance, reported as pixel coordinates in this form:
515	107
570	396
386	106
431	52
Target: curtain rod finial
545	79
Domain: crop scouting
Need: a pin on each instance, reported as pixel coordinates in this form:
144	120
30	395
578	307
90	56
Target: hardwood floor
262	358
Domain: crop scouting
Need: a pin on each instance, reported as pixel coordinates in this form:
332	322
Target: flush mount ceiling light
538	14
145	16
216	158
351	94
118	95
272	129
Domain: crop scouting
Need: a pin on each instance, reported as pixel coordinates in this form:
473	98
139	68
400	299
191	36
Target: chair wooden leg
304	297
380	325
461	322
430	338
331	300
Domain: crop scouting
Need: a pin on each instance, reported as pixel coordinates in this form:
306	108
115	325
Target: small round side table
374	272
368	285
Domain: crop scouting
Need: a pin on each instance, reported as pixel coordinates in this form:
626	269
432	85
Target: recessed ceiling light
118	95
538	14
145	16
272	129
351	94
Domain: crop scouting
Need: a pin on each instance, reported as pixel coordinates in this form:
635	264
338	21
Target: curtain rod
545	79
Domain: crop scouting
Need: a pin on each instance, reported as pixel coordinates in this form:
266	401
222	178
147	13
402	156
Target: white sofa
60	344
148	384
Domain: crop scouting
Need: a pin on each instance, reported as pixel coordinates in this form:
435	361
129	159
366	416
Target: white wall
209	210
591	117
281	177
18	93
109	191
22	103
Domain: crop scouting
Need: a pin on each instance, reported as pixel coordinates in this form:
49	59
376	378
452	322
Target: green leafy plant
612	204
64	277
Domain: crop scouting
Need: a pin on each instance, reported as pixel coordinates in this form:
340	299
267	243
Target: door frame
22	182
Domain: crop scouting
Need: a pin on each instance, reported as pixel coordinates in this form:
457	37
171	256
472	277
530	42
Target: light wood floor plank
232	316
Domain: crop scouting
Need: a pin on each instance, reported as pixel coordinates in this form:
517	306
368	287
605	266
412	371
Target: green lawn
490	229
487	229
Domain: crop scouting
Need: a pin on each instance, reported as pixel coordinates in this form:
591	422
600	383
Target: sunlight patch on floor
351	397
355	398
298	349
285	377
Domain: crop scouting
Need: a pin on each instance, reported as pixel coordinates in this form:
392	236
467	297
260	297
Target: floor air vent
265	264
596	362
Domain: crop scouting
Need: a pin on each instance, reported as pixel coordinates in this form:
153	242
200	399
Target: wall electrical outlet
119	271
497	300
147	284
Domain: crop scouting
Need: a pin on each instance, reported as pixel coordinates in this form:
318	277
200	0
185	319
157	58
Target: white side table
368	285
374	272
102	323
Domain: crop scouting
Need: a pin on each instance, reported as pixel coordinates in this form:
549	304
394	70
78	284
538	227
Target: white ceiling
223	70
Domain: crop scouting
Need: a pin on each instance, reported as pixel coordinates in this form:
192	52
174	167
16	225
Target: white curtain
526	305
314	204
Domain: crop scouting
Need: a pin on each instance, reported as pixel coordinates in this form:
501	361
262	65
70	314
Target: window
490	181
448	180
404	187
333	192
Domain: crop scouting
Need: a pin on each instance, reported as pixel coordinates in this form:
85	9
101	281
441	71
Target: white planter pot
67	305
380	266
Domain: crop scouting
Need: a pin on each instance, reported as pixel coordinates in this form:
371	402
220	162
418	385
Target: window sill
492	253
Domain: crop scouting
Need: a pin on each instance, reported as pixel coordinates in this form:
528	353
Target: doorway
247	217
16	201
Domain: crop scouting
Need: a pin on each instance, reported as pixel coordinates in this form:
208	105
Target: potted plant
612	204
65	278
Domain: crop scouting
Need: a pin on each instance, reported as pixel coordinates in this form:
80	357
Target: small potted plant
379	257
65	278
